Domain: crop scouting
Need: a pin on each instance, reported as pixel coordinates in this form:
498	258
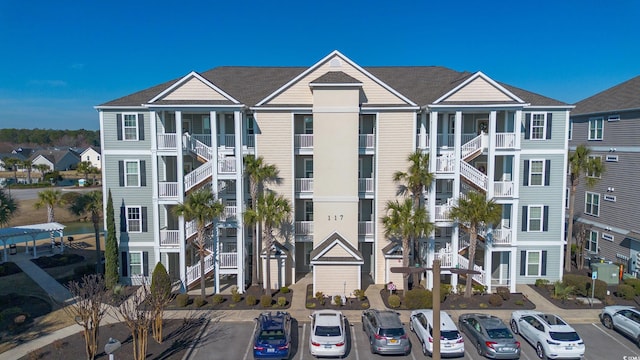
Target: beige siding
279	278
396	278
479	90
300	93
194	89
337	251
336	279
395	138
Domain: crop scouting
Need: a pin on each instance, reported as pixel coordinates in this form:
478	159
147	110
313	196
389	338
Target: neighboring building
92	155
338	132
56	159
609	124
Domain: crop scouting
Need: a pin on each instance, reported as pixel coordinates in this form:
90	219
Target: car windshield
271	335
327	331
564	336
392	332
502	333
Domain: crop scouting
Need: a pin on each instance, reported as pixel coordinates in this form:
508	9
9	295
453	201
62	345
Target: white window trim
544	170
611	158
544	126
526	266
585	203
124	136
130	264
126	179
139	220
601	119
607	197
591	232
529	217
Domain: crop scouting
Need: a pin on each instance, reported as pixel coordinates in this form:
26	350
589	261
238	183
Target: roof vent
335	63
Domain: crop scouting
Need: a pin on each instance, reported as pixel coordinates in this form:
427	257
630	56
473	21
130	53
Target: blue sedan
273	336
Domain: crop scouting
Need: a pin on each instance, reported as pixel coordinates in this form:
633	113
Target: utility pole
436	309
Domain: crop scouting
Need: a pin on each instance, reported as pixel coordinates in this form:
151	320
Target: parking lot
234	341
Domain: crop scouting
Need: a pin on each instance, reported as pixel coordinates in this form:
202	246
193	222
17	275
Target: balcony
203	138
445	164
420	144
505	140
167	189
502	236
167	141
304	231
227	141
227	165
230	210
303	141
442	212
365	185
170	238
367	141
228	260
365	228
503	188
464	264
304	185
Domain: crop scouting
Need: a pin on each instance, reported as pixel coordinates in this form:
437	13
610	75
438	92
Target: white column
512	268
491	158
216	258
241	270
155	216
431	204
180	178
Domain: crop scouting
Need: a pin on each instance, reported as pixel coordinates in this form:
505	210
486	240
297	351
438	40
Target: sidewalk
58	293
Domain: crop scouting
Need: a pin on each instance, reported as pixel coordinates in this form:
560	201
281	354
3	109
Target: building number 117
335	217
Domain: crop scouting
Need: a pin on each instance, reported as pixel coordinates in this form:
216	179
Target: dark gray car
385	332
491	337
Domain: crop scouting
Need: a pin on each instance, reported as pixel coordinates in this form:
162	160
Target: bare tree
136	313
88	309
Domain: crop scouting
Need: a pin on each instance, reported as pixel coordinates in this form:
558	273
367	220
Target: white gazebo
24	234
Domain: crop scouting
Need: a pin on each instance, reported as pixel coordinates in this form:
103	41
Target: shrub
394	301
626	292
199	301
562	291
320	297
160	282
479	289
337	300
83	270
635	283
311	305
583	285
235	295
446	290
265	301
495	300
359	294
519	302
542	282
284	290
460	288
365	305
504	292
418	299
217	299
251	300
282	301
182	300
483	305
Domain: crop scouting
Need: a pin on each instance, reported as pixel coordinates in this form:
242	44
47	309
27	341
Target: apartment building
609	123
337	132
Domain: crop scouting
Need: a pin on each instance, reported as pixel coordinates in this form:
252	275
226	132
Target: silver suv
386	332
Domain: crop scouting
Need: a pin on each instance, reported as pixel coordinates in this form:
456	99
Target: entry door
174	266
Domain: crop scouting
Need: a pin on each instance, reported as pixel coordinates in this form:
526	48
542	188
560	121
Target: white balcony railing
503	188
304	185
230	211
167	189
473	146
167	141
304	227
227	165
228	260
445	164
250	141
203	138
198	175
420	144
303	141
367	141
169	237
442	212
502	236
505	140
365	228
474	175
365	185
227	140
446	258
464	264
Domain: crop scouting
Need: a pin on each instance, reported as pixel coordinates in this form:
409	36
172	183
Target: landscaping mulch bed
227	302
56	260
9	268
18	311
572	303
179	336
516	301
351	303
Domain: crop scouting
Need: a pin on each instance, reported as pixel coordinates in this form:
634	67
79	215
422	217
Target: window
566	198
570	129
535	218
308	210
536	172
592	242
592	173
534	260
135	263
132	173
596	126
308	124
592	204
130	127
611	198
308	168
607	237
134	219
538	126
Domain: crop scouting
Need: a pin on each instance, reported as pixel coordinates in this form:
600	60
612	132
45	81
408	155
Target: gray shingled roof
624	96
336	77
325	244
249	85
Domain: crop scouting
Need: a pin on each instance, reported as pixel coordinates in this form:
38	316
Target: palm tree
8	208
273	211
28	164
414	182
42	168
91	203
259	174
406	222
580	164
49	198
85	167
473	211
202	207
13	164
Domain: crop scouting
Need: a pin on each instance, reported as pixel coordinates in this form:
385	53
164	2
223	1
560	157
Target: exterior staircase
203	153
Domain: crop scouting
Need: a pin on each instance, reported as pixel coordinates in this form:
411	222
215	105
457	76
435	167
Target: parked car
451	342
327	336
552	337
272	336
490	336
386	332
625	319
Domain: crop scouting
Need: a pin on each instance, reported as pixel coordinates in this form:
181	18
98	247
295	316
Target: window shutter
547	172
527	126
525	178
545	219
119	125
523	262
123	219
121	172
524	218
145	263
549	116
144	219
143	173
123	256
140	126
543	264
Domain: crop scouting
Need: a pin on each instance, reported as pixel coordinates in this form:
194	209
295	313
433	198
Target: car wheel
514	327
479	348
540	351
607	321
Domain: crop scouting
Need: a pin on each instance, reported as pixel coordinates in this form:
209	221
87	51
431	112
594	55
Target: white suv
552	337
327	336
451	342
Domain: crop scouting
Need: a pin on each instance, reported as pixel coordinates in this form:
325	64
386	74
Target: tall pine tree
111	248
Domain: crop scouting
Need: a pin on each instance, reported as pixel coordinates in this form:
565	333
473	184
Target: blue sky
61	58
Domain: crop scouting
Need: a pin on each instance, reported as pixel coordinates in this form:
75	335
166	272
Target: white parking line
632	351
301	341
354	344
250	346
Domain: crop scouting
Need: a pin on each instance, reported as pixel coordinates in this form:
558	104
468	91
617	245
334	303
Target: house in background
609	124
337	132
92	154
56	159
